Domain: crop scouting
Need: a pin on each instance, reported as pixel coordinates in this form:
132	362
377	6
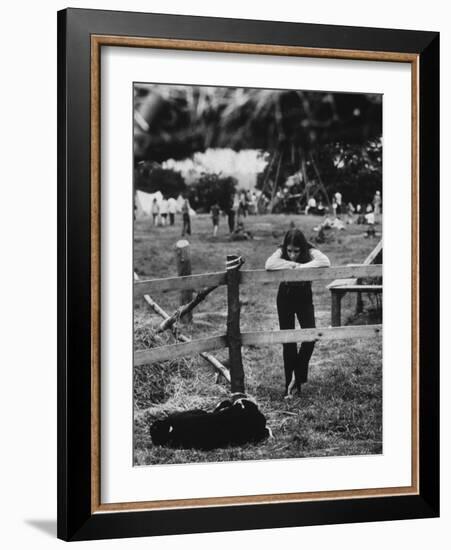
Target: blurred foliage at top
177	121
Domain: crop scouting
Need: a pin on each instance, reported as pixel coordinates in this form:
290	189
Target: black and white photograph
257	263
205	345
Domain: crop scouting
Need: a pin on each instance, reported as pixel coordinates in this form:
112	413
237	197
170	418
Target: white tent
144	202
138	211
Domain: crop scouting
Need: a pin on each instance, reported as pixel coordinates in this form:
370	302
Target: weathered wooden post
359	302
233	265
183	259
336	307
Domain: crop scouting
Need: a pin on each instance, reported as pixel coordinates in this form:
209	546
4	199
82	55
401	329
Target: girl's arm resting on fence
275	262
318	260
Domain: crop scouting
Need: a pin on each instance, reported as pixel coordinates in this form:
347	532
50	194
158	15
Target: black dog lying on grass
230	423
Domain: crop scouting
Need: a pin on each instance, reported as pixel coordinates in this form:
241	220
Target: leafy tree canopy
150	177
210	189
176	121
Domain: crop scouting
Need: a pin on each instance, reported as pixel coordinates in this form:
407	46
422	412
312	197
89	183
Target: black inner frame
75	521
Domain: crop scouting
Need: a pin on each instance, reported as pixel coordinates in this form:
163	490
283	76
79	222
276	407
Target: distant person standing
311	205
253	207
172	209
164	211
248	202
338	198
377	203
215	211
334	207
155	209
231	219
370	232
231	212
242	206
186	217
360	215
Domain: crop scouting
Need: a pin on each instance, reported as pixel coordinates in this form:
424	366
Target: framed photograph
248	274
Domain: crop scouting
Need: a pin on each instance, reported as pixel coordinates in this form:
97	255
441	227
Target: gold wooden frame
97	41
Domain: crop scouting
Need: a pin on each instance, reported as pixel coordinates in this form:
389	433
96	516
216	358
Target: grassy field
340	409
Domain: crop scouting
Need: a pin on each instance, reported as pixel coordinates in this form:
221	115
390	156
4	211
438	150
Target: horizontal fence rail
309	274
188	282
264	337
356	288
166	353
196	282
267	338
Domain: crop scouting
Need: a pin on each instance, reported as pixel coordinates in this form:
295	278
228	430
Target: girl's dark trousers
295	300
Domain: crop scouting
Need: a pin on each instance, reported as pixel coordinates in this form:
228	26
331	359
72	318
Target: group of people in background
246	203
163	212
314	207
241	205
367	214
360	213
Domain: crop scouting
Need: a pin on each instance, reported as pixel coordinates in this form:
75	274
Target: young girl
295	299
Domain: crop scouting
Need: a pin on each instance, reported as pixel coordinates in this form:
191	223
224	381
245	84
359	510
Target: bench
340	287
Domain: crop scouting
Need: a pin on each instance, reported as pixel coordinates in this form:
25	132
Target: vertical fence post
183	259
359	303
233	323
336	308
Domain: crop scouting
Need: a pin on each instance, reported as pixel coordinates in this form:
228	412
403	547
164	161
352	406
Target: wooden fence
234	339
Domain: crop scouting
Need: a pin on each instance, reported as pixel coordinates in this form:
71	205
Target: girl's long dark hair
295	237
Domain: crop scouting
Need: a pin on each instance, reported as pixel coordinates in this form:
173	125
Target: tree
353	169
293	126
210	189
150	177
175	121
